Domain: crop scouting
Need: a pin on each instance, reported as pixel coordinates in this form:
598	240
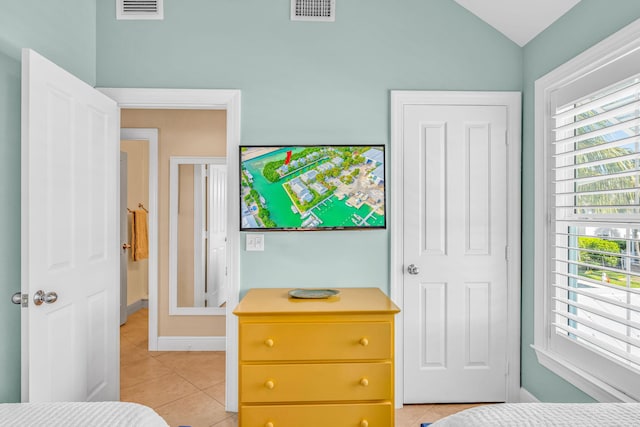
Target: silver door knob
413	269
16	298
40	297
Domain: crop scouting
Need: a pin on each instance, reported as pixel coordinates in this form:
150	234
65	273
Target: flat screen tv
312	187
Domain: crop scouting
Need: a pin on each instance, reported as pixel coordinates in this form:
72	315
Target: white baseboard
137	305
526	397
192	343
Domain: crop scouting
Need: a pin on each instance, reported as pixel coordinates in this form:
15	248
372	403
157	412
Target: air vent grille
139	9
313	10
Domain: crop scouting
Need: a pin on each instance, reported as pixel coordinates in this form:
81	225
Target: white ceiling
520	20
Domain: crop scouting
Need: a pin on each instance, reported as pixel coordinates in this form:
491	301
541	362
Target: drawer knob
364	423
270	384
269	424
364	382
364	342
269	342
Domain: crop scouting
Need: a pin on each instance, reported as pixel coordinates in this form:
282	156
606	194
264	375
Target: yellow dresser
316	362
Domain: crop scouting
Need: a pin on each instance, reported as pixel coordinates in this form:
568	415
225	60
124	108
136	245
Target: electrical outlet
255	242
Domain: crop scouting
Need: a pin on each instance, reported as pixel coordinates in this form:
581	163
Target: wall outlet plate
255	242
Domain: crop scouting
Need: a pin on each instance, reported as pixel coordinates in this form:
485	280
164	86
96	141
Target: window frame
594	66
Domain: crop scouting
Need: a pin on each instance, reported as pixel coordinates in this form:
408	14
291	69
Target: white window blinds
595	223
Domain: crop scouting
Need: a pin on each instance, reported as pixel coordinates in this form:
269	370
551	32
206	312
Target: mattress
546	414
79	414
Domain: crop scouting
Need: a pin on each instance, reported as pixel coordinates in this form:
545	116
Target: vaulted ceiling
519	20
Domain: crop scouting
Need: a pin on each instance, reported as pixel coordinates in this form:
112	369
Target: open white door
70	150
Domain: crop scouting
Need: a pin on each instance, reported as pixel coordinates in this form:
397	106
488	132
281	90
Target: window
588	204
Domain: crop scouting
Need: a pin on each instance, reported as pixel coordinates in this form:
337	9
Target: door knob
16	298
413	269
41	297
126	246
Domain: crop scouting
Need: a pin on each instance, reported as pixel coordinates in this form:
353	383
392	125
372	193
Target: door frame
512	101
151	136
207	99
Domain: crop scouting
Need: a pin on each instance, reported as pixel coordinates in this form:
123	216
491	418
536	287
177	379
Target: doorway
141	146
209	99
184	137
185	141
456	201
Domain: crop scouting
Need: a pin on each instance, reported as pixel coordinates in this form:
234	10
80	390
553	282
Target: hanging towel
140	236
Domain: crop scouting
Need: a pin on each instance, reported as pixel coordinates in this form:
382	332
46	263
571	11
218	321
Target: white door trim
150	135
512	100
207	99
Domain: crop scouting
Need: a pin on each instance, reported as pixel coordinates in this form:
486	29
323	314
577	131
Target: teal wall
9	227
305	83
584	26
64	31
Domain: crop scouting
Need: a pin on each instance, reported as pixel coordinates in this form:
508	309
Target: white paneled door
70	236
455	245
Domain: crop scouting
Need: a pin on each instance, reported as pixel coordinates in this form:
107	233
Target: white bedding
546	414
79	414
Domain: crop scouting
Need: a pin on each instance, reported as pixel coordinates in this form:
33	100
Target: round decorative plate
313	293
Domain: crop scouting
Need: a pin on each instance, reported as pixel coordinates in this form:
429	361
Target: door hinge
506	137
507	252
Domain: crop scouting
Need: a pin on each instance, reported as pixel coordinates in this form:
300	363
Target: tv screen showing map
312	187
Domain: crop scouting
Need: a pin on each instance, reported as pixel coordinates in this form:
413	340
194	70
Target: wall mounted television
312	187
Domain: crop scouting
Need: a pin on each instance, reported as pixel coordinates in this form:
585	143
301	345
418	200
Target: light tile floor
184	387
188	388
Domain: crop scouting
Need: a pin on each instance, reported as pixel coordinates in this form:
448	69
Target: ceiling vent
313	10
139	9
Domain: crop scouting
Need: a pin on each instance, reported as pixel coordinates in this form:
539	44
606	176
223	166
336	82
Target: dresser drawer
315	341
320	382
357	415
